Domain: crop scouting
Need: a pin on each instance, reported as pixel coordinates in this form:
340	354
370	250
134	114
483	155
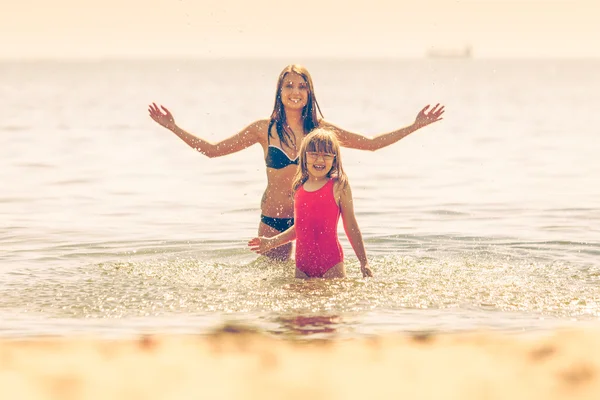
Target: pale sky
307	28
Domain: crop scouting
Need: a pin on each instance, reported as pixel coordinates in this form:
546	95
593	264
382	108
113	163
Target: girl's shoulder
340	186
337	182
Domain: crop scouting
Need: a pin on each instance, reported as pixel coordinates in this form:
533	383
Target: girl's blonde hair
320	140
309	113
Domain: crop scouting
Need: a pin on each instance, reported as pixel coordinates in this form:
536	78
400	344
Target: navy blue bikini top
277	158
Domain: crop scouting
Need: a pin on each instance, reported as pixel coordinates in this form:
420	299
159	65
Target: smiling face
319	155
319	163
320	158
294	91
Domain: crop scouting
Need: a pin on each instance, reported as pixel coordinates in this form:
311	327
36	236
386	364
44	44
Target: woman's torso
281	166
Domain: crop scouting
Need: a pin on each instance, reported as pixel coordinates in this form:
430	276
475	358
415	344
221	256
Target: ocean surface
110	225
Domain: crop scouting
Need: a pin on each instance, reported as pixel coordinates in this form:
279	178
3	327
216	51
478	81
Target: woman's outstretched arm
263	244
240	141
357	141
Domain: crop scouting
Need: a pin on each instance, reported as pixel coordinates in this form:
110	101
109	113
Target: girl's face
319	163
294	92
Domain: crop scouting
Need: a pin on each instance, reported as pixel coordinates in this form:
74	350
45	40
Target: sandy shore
554	365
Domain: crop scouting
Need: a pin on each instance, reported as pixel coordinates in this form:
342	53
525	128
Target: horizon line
28	59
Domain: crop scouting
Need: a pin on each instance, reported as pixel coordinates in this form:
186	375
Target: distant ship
466	52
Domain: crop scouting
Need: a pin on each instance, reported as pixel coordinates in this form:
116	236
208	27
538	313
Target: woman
294	116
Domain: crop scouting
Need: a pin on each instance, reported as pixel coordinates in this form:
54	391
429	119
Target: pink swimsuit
316	217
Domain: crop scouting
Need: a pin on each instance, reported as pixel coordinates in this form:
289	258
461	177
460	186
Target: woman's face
294	92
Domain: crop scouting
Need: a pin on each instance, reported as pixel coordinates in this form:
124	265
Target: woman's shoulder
339	132
259	128
261	124
323	123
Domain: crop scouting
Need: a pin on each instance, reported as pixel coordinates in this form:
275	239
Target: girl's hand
425	118
163	118
366	271
260	245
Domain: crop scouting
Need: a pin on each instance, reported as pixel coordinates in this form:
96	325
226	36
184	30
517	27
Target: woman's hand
260	244
162	117
366	271
425	118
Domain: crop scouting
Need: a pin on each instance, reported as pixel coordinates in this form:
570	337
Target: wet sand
240	364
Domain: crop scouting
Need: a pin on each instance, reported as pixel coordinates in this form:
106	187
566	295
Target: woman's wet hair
309	113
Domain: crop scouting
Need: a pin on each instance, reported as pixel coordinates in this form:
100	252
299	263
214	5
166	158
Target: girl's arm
352	230
240	141
263	244
361	142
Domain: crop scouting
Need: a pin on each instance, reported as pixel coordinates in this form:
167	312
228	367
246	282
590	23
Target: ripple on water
266	292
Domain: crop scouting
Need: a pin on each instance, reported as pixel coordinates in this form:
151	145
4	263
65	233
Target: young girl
322	194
